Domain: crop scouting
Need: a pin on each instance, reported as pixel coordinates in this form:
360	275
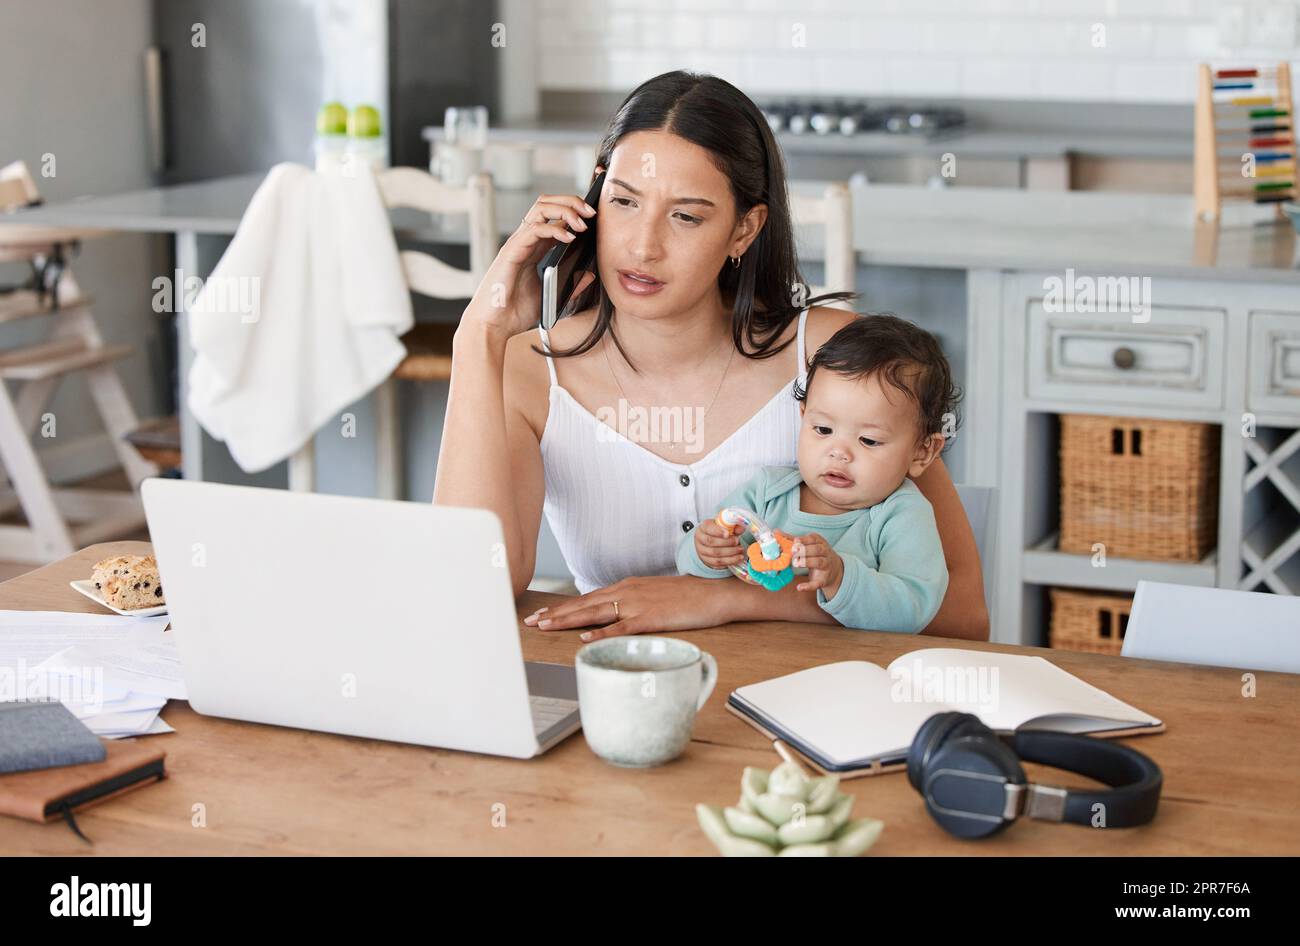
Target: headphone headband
974	785
1134	779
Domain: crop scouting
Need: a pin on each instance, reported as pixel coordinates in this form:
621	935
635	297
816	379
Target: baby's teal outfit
894	571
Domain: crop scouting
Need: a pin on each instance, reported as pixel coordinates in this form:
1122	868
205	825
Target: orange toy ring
760	564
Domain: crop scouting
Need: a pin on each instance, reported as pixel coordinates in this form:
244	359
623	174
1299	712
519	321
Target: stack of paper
114	673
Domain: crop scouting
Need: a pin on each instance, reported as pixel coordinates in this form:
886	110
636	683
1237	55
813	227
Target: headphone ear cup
958	798
934	732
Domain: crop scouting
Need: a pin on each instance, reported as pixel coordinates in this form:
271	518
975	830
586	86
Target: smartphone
576	257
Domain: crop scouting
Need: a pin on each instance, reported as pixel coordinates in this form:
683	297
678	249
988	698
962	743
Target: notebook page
1008	690
843	710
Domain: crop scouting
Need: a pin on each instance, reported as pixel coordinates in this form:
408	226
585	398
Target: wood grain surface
1232	773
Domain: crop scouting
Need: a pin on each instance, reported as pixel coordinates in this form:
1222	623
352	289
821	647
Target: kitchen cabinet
1219	352
1170	354
1274	366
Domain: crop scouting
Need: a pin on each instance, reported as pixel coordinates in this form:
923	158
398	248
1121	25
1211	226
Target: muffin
108	567
129	582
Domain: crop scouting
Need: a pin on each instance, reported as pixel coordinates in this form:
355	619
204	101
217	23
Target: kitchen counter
997	228
967	142
209	207
894	225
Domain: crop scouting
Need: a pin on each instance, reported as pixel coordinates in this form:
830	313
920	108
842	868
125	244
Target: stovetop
847	119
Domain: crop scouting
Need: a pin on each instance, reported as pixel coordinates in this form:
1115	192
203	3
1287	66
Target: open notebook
856	718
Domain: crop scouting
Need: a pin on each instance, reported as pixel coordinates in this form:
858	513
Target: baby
876	405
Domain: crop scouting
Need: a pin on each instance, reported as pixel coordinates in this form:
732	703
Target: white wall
990	49
519	92
72	87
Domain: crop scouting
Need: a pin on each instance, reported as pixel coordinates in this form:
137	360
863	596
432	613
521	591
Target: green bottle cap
332	119
364	122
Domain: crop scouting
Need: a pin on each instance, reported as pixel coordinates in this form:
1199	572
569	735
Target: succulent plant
786	813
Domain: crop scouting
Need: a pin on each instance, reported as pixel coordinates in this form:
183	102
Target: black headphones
974	785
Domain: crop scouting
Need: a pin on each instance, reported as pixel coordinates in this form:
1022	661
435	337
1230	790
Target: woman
694	316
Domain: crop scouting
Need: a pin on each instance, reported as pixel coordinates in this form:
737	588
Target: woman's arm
964	613
490	457
745	602
660	603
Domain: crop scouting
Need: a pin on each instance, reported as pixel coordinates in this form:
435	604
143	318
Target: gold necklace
672	445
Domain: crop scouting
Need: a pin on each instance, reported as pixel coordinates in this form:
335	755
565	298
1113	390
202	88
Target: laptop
366	617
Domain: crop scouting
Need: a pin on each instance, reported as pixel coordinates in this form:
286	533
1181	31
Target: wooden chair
60	521
1214	627
833	211
158	440
428	345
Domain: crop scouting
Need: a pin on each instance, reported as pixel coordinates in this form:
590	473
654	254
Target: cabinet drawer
1274	363
1174	360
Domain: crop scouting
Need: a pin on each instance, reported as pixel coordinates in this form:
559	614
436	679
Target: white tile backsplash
849	75
777	74
1002	49
1132	40
991	78
928	76
628	68
1012	39
889	34
1160	82
1074	80
726	33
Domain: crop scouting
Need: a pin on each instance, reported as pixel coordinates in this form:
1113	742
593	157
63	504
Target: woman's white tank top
618	510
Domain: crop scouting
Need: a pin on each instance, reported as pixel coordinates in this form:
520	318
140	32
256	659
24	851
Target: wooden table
1232	772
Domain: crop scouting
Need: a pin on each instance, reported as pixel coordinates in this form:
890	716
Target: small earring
735	262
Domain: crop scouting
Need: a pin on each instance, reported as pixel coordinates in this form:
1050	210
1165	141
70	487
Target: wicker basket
1143	488
1089	620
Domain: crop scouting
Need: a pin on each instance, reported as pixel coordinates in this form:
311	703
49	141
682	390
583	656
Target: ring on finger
616	616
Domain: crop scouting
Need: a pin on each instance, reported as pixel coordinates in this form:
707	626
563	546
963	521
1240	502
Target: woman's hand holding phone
508	299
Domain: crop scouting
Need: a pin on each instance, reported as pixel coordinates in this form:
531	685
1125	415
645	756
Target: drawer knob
1124	357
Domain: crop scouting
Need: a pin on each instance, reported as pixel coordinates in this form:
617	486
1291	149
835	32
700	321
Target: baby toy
769	554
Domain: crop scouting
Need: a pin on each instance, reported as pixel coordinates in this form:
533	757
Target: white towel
301	316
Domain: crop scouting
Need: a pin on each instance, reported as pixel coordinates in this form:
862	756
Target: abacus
1239	112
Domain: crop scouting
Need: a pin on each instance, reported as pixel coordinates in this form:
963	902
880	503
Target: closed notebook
47	794
856	718
43	734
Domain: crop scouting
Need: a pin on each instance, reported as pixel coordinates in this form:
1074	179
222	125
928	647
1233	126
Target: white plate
87	588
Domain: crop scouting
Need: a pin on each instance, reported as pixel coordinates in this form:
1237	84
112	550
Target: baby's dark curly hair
905	356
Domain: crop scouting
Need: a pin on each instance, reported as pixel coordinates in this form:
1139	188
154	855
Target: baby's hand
717	546
825	567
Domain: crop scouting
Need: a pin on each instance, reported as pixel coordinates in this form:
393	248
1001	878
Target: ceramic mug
638	696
